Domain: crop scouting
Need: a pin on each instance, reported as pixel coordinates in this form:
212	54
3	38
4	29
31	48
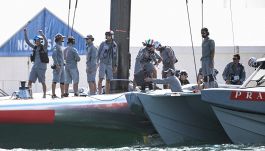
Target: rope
202	14
68	18
191	40
74	16
231	15
108	99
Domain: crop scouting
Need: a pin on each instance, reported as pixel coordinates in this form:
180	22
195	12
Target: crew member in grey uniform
171	79
58	65
207	59
40	59
168	59
108	61
71	57
91	64
234	72
137	67
148	57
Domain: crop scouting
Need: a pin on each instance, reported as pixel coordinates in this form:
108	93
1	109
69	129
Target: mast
120	25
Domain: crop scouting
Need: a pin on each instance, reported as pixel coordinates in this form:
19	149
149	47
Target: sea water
222	147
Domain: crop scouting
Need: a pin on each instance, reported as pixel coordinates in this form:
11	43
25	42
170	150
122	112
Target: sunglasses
235	58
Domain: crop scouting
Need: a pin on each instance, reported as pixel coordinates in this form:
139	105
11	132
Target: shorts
105	69
58	75
37	73
71	75
91	74
206	70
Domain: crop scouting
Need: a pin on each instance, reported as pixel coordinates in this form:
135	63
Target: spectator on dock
91	64
39	59
58	65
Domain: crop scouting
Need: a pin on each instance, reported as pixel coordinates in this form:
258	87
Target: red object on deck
27	117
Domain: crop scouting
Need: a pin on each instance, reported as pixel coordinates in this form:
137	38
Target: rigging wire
74	16
68	17
202	14
231	17
191	40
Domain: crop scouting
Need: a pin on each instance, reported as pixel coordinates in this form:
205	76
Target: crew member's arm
27	39
242	75
158	57
157	81
45	45
172	56
212	48
77	57
55	56
115	57
99	51
225	74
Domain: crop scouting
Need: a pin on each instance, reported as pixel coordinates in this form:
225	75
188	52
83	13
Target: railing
3	93
8	86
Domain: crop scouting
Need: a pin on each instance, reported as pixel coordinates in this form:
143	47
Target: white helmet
252	62
157	44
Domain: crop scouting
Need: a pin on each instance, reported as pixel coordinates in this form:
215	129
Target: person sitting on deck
184	78
171	79
234	72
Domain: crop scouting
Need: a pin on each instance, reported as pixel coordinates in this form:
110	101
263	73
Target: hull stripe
27	116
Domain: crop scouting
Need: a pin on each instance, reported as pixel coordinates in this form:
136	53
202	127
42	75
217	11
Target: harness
43	55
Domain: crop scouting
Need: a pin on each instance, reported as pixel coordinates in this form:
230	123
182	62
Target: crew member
71	57
168	56
207	59
91	64
58	65
39	59
171	79
184	77
108	60
234	72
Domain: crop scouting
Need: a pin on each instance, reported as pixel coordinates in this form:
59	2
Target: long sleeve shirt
108	53
173	81
91	55
233	71
57	55
168	58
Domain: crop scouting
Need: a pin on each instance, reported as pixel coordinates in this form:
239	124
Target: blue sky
162	20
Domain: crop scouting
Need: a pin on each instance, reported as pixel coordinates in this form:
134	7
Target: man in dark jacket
39	59
234	72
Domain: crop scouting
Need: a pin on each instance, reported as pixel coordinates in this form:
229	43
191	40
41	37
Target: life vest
43	55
